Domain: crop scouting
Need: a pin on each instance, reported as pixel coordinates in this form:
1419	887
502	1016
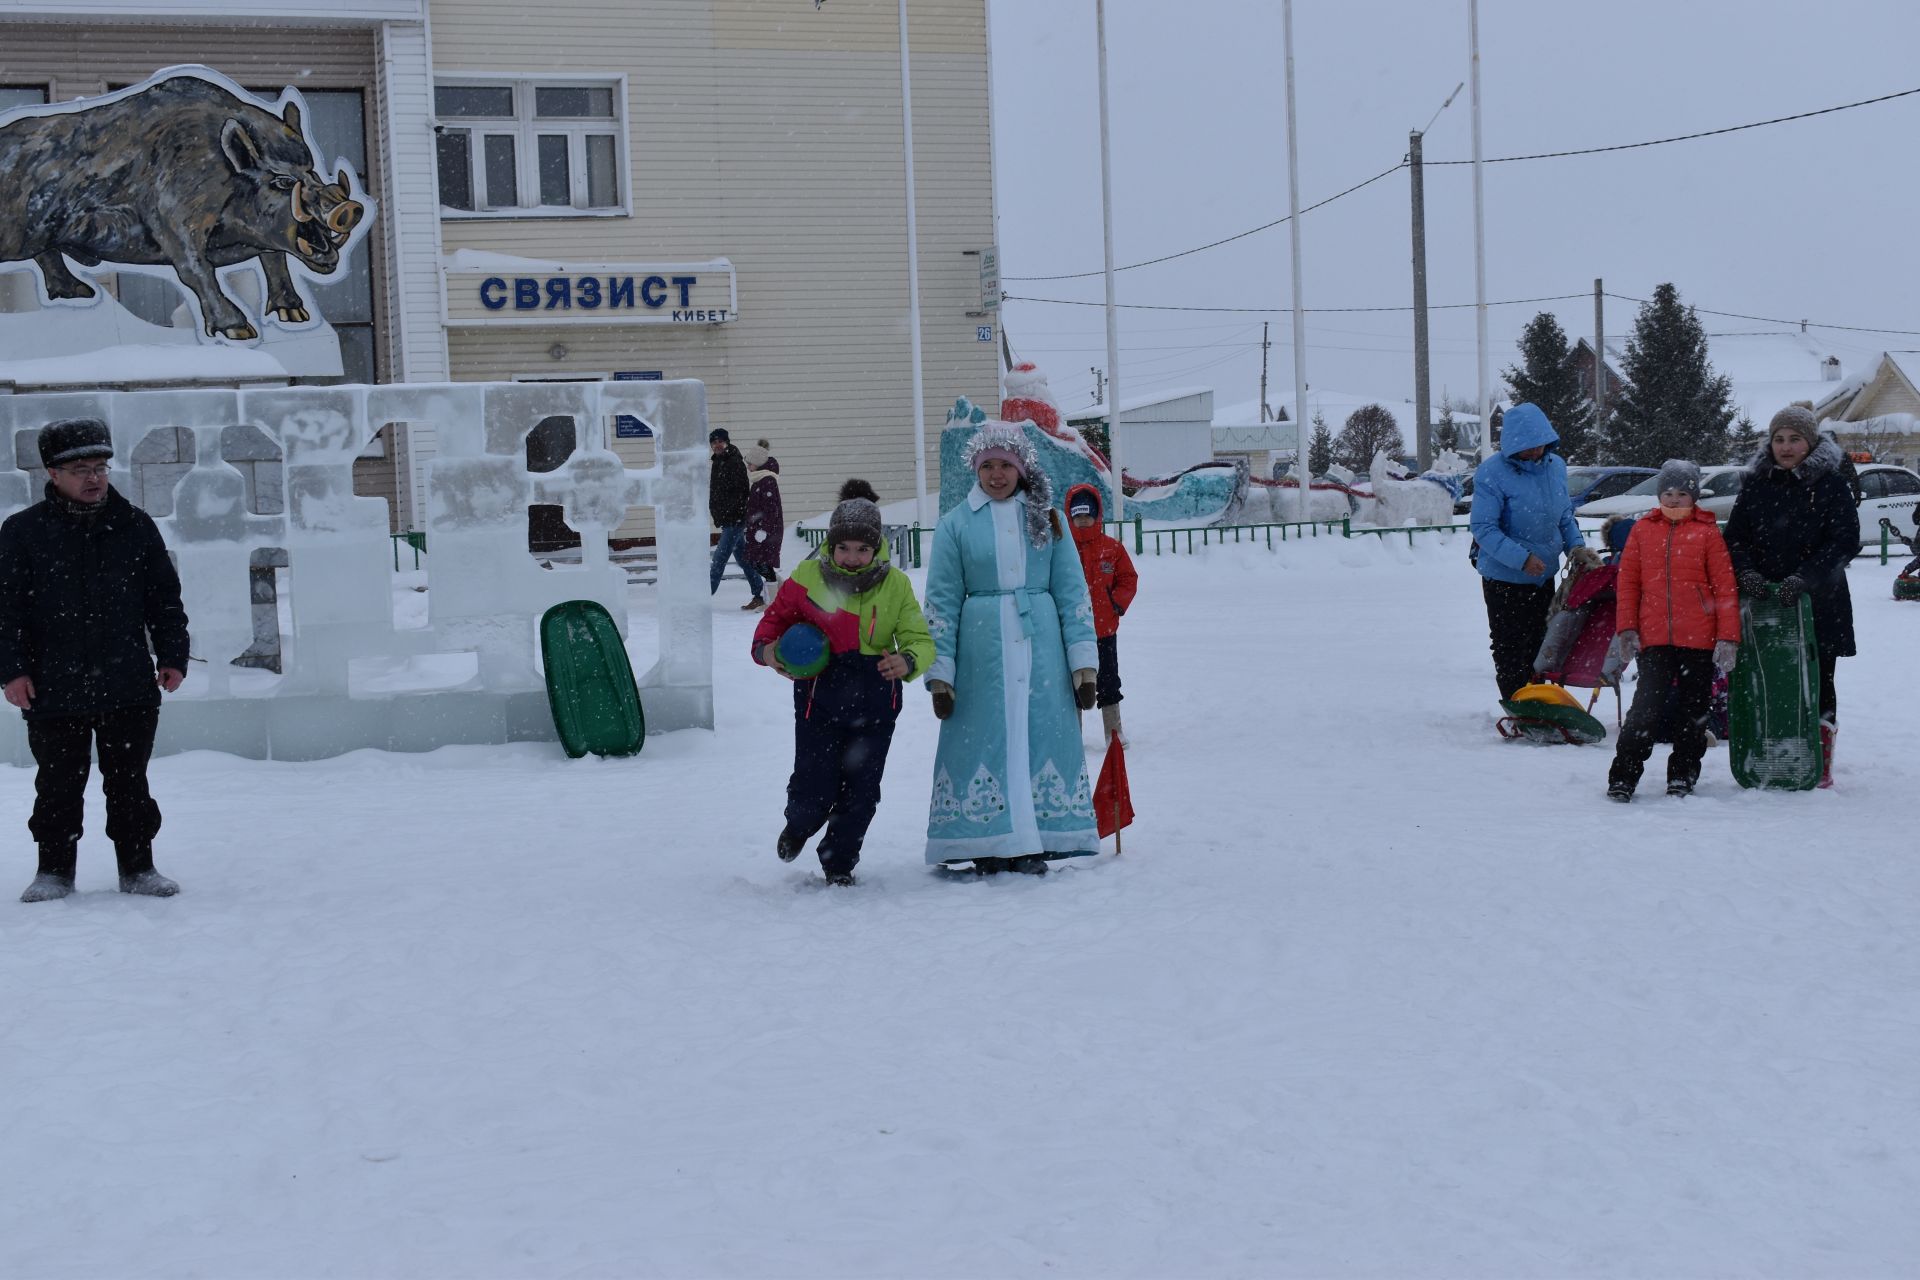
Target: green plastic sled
596	706
1773	698
1548	713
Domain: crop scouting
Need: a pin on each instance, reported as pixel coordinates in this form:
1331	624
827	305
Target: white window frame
525	129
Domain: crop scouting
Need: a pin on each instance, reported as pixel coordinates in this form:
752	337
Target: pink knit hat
1004	454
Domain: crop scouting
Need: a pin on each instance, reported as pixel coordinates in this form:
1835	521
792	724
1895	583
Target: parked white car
1719	486
1886	492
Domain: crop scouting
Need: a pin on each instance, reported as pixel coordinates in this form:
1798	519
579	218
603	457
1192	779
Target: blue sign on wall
625	425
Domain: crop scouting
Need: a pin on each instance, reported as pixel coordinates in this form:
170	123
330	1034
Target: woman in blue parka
1013	653
1522	521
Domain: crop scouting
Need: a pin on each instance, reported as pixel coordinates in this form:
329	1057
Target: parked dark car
1584	484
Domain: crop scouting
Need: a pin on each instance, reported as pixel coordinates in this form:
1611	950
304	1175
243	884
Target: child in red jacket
1111	583
1679	611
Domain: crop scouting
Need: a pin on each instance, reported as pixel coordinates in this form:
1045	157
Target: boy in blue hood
1522	520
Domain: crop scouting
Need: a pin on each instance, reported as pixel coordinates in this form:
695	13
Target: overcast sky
1815	219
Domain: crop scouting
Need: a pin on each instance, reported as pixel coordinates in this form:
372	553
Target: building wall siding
770	134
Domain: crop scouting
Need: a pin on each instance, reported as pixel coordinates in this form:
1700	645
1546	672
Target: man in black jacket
727	504
85	588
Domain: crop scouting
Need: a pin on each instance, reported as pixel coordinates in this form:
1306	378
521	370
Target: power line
1322	311
1082	275
1687	137
1539	155
1810	324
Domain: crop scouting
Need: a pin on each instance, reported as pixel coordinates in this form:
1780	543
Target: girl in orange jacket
1679	613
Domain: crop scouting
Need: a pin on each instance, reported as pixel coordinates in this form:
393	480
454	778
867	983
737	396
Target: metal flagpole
921	497
1479	238
1299	312
1113	312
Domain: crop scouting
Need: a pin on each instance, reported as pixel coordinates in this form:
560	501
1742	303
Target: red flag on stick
1112	802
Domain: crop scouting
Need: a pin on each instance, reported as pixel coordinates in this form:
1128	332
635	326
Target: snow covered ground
1370	993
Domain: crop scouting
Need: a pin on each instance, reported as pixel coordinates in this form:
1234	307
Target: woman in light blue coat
1522	520
1014	652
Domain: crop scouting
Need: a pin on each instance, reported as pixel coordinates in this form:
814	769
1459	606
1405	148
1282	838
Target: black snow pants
1675	684
1516	624
63	747
836	784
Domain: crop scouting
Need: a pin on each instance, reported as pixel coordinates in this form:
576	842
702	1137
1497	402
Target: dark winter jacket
81	599
1522	509
766	521
1801	523
727	488
1112	580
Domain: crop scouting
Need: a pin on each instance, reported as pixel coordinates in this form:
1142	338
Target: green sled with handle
596	706
1773	697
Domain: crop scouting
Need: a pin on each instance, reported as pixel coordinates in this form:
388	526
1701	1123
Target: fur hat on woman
1799	420
1010	444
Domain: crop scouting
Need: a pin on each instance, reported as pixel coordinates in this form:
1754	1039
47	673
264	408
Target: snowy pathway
1371	993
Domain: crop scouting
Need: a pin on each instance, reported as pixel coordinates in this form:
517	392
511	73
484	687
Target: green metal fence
418	541
907	539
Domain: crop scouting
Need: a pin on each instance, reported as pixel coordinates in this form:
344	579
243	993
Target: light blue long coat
1011	622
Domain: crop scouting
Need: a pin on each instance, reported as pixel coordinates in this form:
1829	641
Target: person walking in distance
91	631
727	506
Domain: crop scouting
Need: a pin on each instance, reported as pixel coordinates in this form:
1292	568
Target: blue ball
803	650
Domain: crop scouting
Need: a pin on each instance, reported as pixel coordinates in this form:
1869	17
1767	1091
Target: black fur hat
71	439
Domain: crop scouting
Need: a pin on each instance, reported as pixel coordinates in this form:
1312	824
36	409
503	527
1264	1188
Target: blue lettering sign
685	285
526	294
587	292
653	291
493	293
620	291
559	293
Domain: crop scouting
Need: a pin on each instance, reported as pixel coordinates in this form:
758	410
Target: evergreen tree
1674	405
1446	432
1319	448
1370	429
1547	379
1746	439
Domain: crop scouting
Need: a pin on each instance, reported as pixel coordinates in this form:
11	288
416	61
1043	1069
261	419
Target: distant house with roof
1882	415
1164	431
1768	371
1238	429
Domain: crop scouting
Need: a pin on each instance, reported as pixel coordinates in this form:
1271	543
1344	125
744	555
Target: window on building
22	95
524	146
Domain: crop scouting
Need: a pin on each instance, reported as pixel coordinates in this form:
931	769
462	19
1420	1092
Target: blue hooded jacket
1522	508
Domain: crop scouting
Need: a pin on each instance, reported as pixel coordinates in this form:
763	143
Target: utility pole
1301	442
1485	405
1264	345
1599	363
1422	401
1114	454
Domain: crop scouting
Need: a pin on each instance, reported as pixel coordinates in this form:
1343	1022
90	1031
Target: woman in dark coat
766	522
1795	527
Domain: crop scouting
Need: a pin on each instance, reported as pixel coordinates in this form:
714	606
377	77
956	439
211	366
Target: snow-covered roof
1146	400
1770	370
1334	406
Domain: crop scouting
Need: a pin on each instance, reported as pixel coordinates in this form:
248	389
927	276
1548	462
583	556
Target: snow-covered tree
1746	439
1546	379
1370	429
1674	405
1446	432
1319	448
